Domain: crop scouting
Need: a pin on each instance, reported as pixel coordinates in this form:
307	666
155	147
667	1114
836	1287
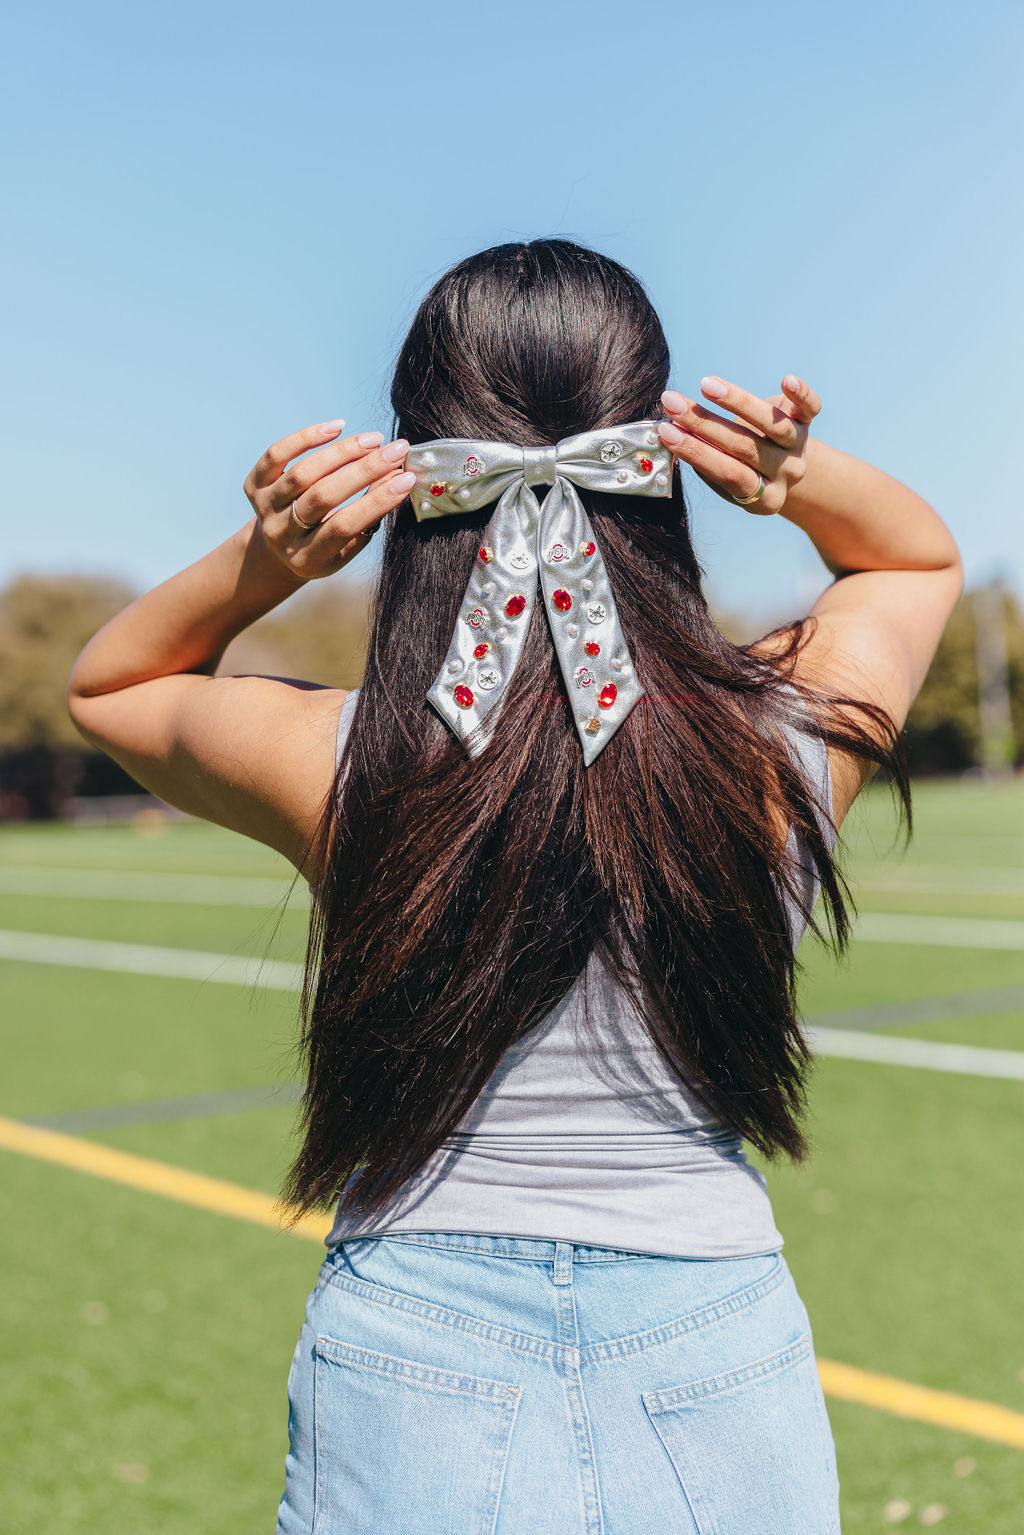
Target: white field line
942	932
181	889
940	879
274	975
149	959
889	1050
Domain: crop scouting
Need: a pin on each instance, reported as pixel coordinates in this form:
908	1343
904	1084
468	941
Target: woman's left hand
732	457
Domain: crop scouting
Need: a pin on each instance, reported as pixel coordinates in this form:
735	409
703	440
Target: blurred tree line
321	635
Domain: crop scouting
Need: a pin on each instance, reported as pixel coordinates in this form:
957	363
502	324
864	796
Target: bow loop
526	543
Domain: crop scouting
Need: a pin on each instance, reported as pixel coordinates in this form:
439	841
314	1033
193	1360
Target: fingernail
331	428
791	382
395	451
670	433
674	402
370	439
402	484
714	387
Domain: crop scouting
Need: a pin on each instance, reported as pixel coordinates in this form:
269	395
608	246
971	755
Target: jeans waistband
535	1249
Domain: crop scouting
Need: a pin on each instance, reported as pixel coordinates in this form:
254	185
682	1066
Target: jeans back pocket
752	1448
406	1448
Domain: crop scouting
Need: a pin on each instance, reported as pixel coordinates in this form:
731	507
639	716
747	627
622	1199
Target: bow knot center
540	466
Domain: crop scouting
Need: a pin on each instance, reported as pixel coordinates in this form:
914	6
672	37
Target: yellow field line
965	1413
153	1177
844	1382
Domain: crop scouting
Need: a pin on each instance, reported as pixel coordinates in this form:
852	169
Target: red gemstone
646	464
515	605
463	696
437	490
561	600
589	546
606	697
481	650
486	554
592	648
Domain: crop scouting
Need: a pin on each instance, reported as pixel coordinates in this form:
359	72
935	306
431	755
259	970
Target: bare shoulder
871	637
255	754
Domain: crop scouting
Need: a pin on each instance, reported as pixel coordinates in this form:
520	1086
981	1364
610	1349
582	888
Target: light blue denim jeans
463	1384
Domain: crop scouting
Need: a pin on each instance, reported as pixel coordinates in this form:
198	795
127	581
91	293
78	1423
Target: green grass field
146	1343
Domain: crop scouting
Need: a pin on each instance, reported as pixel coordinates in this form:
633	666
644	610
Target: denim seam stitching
544	1348
731	1380
484	1252
336	1351
639	1342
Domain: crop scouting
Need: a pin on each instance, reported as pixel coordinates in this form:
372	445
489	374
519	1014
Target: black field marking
148	1111
886	1015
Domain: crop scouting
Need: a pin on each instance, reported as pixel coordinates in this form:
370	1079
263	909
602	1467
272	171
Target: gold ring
307	527
758	493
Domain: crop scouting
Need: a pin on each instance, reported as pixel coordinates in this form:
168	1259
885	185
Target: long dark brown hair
461	897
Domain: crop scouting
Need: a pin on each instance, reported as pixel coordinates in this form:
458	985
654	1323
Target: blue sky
224	216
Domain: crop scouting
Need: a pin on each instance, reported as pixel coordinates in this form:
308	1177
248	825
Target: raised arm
255	754
897	569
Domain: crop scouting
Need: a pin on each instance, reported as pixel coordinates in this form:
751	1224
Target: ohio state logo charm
583	677
557	552
475	617
473	465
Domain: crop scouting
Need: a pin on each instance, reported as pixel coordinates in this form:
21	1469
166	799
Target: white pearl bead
587	585
622	476
454	666
572	630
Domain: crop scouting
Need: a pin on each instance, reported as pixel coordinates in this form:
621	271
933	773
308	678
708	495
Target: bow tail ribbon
552	545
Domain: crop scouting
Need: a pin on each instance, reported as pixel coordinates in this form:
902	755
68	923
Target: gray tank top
582	1134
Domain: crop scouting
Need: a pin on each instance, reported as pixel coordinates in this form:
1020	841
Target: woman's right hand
319	487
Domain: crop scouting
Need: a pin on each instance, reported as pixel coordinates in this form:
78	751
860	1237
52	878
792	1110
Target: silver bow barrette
526	539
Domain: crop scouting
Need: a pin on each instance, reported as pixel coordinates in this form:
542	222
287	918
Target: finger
365	512
325	494
305	471
766	418
805	402
748	446
722	472
269	467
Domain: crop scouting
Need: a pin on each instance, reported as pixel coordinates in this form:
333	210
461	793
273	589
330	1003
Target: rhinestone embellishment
607	695
463	696
515	605
596	612
475	618
646	465
592	648
437	490
592	725
583	677
611	452
588	548
488	677
473	465
481	650
561	600
486	553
